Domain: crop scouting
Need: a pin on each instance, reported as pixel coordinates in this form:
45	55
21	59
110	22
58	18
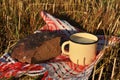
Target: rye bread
36	48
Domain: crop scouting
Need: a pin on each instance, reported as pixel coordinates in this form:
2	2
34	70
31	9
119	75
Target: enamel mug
82	48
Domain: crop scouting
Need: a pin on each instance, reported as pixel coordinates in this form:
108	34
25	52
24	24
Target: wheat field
19	18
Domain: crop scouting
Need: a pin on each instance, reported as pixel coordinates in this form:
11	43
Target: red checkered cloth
60	67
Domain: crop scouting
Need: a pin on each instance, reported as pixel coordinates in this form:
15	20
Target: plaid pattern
16	69
60	67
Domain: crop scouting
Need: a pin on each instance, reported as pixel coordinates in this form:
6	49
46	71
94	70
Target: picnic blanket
59	68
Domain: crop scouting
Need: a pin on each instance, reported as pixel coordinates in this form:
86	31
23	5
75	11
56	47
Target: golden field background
19	18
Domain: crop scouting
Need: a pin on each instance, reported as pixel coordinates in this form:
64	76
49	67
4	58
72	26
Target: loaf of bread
37	48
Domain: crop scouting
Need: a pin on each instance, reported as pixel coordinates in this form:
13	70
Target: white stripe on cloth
58	23
59	70
6	58
68	27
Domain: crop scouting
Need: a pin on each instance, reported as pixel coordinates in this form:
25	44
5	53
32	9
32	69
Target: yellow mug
82	48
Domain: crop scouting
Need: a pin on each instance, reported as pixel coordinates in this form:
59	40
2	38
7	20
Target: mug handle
63	48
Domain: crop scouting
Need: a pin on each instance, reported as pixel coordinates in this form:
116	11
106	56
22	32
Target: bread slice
36	48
